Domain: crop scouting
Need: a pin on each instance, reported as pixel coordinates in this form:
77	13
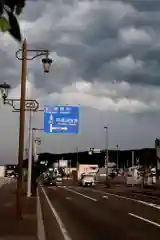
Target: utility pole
21	130
77	160
117	146
30	156
132	166
106	158
132	158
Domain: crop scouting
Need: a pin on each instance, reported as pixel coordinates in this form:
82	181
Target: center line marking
130	199
144	219
68	198
105	197
81	194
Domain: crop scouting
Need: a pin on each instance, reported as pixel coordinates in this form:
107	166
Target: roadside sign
94	150
61	119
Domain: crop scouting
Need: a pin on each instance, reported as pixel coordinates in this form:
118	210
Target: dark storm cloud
99	41
9	69
34	13
144	78
90	44
143	19
143	5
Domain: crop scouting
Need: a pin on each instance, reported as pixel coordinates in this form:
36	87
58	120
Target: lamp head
46	64
5	89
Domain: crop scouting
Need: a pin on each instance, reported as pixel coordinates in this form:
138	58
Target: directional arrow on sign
64	128
60	128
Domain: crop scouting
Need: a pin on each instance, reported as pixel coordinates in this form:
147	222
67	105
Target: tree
9	9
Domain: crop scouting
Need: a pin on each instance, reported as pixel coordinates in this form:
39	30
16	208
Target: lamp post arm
37	53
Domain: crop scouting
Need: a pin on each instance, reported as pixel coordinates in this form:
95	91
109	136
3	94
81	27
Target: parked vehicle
87	180
58	179
50	182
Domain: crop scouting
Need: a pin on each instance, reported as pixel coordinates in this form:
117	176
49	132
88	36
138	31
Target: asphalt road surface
76	213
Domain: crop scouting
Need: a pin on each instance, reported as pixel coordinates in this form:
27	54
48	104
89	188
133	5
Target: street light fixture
22	54
4	90
46	64
30	105
46	61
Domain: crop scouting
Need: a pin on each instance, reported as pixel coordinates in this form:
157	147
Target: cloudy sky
106	58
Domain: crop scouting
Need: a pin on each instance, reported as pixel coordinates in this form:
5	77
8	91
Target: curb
40	225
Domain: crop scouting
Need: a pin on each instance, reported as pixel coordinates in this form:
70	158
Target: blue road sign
61	119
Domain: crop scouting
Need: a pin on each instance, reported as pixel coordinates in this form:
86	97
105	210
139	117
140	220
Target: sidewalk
10	229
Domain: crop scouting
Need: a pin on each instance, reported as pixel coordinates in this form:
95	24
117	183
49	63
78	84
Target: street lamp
30	105
106	158
46	64
4	91
21	54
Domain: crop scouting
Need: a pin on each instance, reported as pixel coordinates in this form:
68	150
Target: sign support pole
30	157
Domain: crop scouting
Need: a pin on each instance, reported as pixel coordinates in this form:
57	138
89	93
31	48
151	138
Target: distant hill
146	157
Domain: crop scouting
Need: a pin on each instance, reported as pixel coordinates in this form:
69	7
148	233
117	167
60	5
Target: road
4	180
76	213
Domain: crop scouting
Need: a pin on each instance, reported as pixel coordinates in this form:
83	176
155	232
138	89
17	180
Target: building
9	169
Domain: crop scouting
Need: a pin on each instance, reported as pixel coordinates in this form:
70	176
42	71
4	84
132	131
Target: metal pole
132	166
70	168
77	159
132	158
106	159
117	155
21	130
127	164
34	146
30	157
35	143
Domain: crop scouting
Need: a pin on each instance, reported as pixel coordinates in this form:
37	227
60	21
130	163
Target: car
50	182
58	180
87	180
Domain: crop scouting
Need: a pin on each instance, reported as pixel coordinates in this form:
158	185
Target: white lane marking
144	219
150	204
68	198
105	197
40	224
130	199
81	194
58	219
